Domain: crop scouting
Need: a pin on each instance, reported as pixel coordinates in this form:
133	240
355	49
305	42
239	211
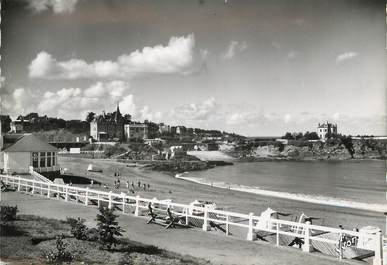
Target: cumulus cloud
197	112
76	102
176	57
345	56
57	6
233	48
146	114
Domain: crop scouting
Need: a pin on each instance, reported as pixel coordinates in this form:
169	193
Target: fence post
227	225
67	193
278	235
186	216
18	186
123	202
48	190
378	246
341	246
33	187
137	204
250	234
110	200
98	202
87	196
206	227
307	246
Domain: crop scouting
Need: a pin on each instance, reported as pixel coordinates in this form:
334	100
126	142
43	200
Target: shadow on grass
125	245
9	229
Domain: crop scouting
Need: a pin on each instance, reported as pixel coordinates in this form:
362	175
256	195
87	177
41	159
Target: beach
166	186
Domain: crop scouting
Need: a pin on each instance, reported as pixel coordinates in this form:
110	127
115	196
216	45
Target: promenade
214	247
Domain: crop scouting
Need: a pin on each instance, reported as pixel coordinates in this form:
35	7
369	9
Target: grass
23	241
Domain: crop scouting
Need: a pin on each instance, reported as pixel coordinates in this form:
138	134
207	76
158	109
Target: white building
29	151
326	129
135	131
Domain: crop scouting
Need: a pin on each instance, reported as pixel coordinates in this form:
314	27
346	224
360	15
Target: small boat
91	168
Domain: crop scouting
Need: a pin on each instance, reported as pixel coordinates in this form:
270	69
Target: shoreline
314	199
165	186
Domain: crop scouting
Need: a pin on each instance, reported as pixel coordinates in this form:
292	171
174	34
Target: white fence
326	239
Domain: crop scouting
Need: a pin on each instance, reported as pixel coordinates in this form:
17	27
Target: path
217	248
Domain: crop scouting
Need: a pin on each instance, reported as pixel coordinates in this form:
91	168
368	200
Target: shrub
78	228
108	227
61	254
8	213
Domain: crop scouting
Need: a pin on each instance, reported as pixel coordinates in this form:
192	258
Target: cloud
114	89
57	6
76	102
146	114
176	57
197	112
345	56
234	48
241	118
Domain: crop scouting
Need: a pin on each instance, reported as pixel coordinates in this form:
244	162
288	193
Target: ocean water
350	181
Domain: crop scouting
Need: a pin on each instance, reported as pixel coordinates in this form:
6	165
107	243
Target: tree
348	144
90	116
108	227
288	136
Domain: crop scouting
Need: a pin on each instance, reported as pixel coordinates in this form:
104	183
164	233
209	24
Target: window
35	158
48	159
53	159
42	159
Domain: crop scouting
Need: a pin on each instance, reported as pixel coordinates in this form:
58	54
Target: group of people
130	185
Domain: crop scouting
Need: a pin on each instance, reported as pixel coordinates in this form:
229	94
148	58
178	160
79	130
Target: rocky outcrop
334	149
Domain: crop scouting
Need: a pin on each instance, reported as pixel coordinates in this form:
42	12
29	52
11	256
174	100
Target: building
326	130
22	151
135	131
20	126
108	127
163	128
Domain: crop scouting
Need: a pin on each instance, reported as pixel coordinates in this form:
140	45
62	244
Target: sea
360	183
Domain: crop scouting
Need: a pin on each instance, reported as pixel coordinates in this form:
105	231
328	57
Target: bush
107	227
61	254
78	228
8	213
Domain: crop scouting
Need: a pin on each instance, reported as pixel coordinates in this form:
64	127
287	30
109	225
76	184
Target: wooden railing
38	176
138	206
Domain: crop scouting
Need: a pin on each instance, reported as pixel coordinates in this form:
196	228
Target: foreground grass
24	240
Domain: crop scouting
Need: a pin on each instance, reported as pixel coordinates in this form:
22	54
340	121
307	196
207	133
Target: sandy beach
166	186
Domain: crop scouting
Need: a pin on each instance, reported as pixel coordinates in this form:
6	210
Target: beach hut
30	151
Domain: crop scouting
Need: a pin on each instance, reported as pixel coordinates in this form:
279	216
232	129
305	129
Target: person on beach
127	184
132	184
139	184
148	187
144	186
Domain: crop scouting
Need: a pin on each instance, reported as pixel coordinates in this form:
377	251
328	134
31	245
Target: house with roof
325	130
108	126
22	151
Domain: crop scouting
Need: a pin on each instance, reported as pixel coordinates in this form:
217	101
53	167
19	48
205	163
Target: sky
256	68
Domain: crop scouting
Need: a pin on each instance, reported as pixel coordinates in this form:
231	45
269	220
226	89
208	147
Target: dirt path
217	248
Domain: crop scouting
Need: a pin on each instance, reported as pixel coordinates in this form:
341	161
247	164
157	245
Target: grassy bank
25	240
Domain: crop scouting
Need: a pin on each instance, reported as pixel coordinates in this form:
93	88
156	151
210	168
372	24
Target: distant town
116	135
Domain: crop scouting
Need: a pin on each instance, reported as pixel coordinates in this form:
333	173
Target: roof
30	143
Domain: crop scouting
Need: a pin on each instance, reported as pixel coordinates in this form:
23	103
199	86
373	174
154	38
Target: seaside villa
20	152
